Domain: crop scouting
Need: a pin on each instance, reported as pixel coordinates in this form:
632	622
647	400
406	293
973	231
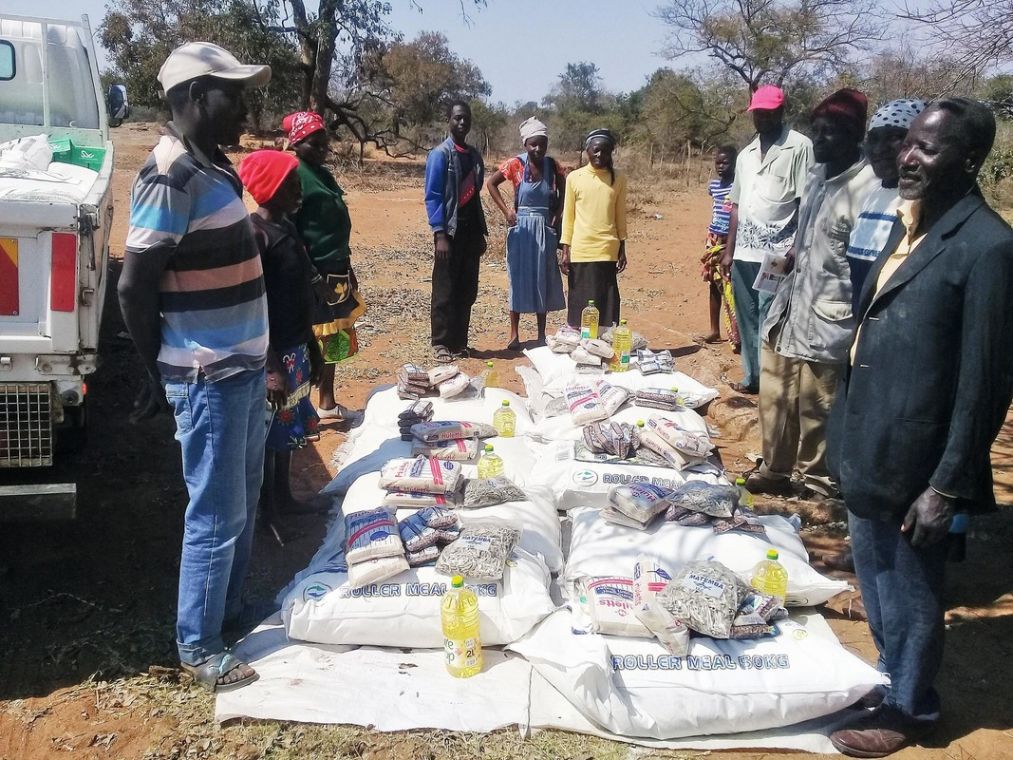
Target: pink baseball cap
767	97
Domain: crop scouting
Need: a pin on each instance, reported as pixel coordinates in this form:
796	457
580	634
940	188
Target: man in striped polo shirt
192	296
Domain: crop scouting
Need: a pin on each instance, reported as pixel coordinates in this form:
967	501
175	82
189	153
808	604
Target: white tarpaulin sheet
398	690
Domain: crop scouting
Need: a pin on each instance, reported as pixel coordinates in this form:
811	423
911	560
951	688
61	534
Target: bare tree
977	34
771	40
356	28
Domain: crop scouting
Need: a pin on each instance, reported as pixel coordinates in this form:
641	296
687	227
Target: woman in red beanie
325	227
293	360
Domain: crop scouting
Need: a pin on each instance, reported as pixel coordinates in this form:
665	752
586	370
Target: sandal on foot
514	345
442	354
745	390
341	414
209	674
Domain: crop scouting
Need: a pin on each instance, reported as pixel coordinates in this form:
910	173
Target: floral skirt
297	422
711	272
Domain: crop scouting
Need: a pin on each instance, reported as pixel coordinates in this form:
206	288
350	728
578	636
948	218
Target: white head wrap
532	127
897	113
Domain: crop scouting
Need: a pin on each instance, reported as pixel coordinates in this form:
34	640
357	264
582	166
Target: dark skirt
334	320
346	305
593	281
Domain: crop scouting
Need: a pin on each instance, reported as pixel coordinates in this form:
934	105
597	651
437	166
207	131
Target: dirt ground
87	608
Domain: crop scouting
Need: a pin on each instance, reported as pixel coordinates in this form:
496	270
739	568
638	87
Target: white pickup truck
55	217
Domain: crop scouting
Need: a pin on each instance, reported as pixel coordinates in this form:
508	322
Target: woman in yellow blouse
594	232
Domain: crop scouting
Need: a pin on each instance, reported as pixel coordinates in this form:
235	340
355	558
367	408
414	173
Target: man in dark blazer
923	398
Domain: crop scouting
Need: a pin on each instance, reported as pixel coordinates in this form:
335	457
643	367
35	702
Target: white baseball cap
198	59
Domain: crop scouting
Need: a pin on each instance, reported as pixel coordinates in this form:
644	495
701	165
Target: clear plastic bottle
622	345
745	498
491	376
462	647
505	420
489	464
769	577
589	321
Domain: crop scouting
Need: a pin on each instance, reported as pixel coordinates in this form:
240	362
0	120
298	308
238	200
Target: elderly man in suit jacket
923	398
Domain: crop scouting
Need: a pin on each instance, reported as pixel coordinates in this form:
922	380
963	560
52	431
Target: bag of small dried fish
705	596
706	498
480	554
487	492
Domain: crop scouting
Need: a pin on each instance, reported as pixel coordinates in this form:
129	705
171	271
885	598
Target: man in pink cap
769	176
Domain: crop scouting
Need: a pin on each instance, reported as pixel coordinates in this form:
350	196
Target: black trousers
455	288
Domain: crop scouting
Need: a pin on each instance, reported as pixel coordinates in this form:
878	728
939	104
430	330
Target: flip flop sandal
443	355
514	345
215	667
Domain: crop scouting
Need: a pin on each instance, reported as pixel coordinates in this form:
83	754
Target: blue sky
521	46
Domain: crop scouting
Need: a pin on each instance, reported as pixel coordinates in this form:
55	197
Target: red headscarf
301	125
847	105
263	171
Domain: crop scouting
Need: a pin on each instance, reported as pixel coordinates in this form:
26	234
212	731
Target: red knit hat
263	171
301	125
846	105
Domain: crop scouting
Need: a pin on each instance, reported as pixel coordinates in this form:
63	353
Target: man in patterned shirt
192	296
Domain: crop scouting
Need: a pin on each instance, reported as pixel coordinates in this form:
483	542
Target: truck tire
72	434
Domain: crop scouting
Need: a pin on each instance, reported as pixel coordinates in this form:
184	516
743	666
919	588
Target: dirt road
86	609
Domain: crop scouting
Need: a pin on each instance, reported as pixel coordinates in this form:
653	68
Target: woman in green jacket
325	226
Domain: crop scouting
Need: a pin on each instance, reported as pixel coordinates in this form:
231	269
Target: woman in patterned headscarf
887	130
535	284
325	227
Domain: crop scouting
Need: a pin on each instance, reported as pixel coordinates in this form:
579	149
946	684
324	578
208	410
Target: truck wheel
72	435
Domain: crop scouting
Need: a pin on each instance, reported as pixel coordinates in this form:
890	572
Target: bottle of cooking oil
462	647
505	420
491	376
489	464
589	321
769	577
745	498
622	345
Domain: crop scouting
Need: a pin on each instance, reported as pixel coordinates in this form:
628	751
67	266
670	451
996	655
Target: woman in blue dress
536	286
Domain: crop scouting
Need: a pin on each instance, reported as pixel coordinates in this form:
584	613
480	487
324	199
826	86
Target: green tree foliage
420	78
489	122
677	109
139	34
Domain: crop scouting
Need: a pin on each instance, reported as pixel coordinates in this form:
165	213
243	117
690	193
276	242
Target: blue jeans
902	588
221	428
750	311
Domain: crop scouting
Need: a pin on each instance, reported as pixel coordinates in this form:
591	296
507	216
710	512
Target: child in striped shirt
717	238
